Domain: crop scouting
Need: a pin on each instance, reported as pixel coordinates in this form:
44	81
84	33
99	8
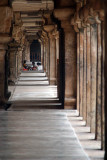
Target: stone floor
40	134
32	86
32	90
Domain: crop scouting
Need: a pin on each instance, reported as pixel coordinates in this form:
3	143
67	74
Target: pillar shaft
4	94
2	73
93	75
70	67
19	61
27	51
103	86
88	76
81	70
99	70
12	64
48	57
42	52
44	59
84	78
52	60
78	72
105	73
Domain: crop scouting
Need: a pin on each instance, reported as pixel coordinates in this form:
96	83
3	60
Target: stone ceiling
31	13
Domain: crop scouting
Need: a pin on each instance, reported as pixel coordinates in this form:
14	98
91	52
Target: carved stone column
76	21
78	71
84	77
70	57
41	42
93	75
105	72
99	73
19	60
44	52
27	51
52	59
4	94
52	54
5	24
57	52
103	83
12	65
88	94
47	57
81	69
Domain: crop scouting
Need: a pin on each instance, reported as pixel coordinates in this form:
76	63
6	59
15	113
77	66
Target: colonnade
72	53
88	23
50	52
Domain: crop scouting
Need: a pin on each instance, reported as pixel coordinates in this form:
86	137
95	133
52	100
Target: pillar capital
5	38
101	15
57	35
49	28
64	13
51	36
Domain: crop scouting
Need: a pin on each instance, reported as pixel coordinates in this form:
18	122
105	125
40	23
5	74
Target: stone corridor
53	65
35	126
38	135
32	91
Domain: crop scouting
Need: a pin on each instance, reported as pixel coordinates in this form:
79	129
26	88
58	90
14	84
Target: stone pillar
17	64
99	70
78	71
27	51
46	45
5	24
70	66
70	56
57	53
93	75
84	78
19	60
105	72
81	69
51	54
2	74
12	64
4	94
41	51
44	53
52	59
103	84
88	94
47	57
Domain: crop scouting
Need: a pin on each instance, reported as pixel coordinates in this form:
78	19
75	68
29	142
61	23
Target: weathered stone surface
84	78
63	14
88	75
4	3
93	75
81	70
12	65
78	72
99	69
5	19
52	59
70	67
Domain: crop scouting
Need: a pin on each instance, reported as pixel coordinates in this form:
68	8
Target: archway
35	51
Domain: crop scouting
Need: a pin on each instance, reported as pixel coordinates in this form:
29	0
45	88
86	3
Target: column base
70	103
3	100
11	82
53	81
